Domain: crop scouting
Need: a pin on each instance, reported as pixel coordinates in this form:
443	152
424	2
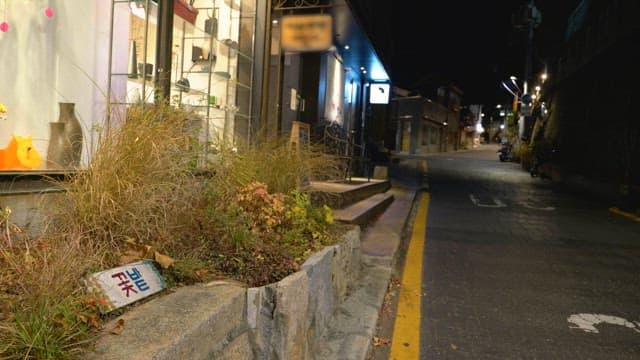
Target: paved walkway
352	328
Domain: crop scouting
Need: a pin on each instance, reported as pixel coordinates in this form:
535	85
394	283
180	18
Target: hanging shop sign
306	32
126	284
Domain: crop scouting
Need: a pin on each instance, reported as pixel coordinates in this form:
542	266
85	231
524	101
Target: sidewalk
352	327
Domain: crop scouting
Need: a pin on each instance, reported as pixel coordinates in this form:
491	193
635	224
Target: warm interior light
137	9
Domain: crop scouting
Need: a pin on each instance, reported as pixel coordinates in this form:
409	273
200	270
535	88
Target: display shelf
211	107
191	91
196	72
209	57
211	75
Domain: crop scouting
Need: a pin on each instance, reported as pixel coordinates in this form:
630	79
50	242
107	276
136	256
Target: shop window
212	63
57	83
54	79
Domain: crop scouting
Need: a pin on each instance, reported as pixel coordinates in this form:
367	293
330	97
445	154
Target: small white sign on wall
126	284
379	93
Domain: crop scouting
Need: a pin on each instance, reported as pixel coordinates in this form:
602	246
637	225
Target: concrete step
364	210
339	195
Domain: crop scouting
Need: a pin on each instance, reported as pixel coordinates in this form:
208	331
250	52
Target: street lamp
517	93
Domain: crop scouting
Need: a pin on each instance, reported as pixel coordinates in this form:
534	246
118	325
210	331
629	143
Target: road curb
353	326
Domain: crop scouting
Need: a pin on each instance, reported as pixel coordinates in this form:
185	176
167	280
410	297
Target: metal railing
344	147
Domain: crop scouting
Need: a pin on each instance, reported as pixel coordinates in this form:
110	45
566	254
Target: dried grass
274	162
141	186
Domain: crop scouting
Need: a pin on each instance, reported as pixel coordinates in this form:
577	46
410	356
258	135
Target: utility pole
532	19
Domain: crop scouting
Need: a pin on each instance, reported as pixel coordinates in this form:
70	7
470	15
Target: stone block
346	264
260	311
289	333
190	323
322	295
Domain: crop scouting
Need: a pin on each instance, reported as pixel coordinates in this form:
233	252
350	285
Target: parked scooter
504	153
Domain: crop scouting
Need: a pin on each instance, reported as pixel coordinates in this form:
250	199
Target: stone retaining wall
219	320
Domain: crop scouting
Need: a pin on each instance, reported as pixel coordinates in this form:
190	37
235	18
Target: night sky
471	43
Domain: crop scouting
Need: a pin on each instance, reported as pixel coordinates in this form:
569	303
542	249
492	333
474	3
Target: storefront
54	61
319	70
211	62
70	68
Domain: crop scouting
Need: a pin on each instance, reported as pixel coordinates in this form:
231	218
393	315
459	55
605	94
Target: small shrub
266	211
277	232
306	222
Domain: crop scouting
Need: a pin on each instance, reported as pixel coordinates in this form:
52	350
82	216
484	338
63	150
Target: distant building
424	126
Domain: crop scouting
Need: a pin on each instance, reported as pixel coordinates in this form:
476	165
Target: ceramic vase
59	146
133	61
72	130
65	143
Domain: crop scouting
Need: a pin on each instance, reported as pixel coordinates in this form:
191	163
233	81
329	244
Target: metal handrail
344	147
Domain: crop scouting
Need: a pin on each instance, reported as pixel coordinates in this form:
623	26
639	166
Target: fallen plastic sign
126	284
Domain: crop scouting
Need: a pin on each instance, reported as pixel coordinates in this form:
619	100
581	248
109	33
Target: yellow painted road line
405	344
628	215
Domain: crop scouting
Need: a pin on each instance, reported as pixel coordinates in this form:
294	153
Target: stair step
365	210
339	195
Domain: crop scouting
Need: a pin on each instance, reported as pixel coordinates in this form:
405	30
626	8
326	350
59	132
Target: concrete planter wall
279	321
286	319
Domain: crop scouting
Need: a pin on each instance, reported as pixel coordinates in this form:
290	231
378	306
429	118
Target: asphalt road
516	268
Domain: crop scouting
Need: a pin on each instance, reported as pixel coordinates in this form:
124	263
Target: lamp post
519	95
515	92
